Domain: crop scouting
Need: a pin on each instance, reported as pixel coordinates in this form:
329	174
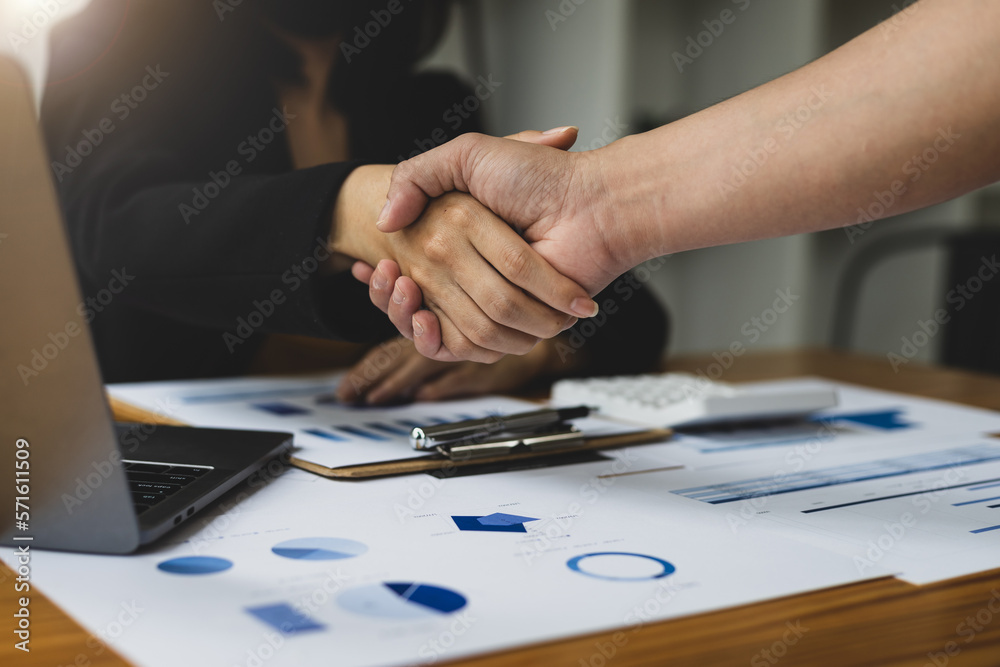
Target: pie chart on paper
319	548
401	601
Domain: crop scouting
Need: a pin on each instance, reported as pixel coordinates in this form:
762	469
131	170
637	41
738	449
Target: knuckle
462	347
515	262
502	308
437	248
485	334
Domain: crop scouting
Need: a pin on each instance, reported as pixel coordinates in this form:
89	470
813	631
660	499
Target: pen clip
563	436
429	438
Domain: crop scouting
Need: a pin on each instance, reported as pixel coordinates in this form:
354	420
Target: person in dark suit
221	164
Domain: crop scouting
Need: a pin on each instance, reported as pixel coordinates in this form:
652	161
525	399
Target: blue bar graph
360	432
983	486
285	619
320	433
260	394
973	502
985	530
282	409
388	428
906	465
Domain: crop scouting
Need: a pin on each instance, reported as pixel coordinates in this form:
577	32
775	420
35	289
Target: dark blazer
194	236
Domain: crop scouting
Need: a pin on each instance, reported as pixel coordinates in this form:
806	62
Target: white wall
24	27
613	58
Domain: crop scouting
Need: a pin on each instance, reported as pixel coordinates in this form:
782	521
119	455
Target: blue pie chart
401	601
620	566
319	548
195	565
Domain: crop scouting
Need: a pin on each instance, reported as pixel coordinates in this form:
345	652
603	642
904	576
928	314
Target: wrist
629	211
353	232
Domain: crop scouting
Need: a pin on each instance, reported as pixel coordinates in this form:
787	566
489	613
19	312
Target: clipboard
442	464
432	462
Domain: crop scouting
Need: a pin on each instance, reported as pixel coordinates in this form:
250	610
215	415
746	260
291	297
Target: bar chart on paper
928	515
326	432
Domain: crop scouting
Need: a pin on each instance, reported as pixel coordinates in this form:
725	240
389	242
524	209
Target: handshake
487	244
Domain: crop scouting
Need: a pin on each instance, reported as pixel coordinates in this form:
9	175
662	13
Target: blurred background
617	67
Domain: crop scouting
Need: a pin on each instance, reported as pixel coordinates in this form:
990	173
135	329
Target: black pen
429	437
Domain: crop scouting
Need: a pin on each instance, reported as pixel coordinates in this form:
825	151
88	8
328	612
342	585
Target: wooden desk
883	622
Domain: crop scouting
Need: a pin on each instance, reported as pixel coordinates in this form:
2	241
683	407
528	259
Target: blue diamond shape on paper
501	519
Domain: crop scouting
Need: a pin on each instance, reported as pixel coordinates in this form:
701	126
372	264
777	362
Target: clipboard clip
555	439
536	431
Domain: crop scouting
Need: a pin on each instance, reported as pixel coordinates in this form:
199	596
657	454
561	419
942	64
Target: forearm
895	120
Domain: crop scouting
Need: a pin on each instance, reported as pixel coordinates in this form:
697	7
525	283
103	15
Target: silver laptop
74	479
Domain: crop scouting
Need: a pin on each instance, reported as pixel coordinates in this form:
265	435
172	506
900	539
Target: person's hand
485	287
395	372
548	193
557	199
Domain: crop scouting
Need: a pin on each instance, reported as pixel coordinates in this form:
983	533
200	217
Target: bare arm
902	117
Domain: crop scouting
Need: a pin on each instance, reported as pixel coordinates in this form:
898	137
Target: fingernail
380	281
570	324
397	296
584	307
560	130
417	329
383	215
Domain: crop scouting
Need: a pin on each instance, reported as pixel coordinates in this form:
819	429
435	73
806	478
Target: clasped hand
478	310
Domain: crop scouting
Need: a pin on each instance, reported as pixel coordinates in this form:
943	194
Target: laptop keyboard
152	483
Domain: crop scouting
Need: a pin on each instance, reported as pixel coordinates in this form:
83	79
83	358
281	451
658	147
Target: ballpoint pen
430	437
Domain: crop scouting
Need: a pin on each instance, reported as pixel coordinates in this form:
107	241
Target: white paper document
418	570
305	570
326	432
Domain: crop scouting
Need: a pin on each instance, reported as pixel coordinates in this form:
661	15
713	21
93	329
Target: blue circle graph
319	548
195	565
576	564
